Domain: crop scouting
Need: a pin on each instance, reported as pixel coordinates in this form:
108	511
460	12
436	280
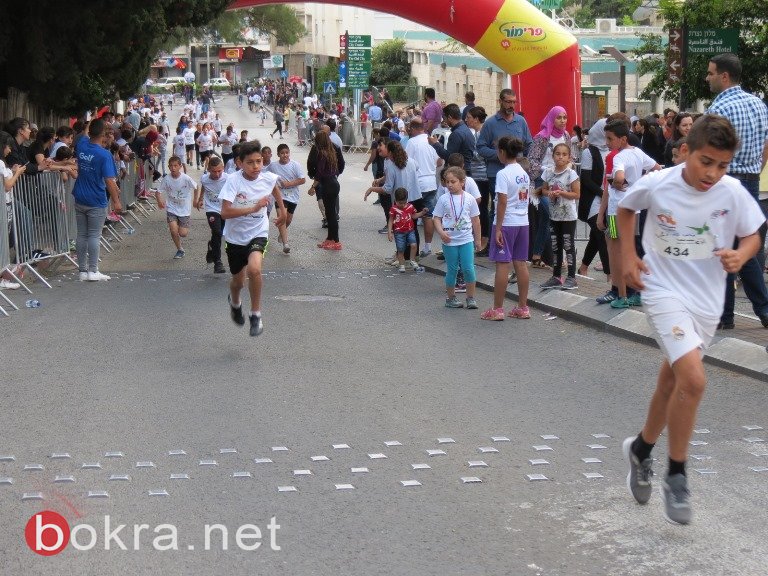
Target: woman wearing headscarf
552	133
592	177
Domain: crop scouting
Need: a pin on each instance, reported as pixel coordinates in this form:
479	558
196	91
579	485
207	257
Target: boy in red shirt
402	227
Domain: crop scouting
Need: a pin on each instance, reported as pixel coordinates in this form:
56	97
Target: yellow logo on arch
520	37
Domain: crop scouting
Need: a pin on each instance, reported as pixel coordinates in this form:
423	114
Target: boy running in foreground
244	201
694	213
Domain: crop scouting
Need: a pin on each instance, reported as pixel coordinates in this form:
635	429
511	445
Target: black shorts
206	154
290	206
238	255
189	147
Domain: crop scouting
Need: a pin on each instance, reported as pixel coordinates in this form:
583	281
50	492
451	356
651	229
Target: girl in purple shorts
509	234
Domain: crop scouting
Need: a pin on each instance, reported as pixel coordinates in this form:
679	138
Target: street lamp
622	60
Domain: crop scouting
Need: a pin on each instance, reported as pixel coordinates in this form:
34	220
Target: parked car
222	82
169	81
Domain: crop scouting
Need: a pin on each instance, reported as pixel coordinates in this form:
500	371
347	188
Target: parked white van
169	81
218	82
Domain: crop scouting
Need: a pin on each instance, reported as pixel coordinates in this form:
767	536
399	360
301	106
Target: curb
731	353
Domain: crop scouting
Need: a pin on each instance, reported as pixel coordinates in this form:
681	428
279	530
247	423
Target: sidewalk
742	350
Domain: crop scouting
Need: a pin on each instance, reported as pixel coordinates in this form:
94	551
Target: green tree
588	10
277	20
70	59
389	63
747	16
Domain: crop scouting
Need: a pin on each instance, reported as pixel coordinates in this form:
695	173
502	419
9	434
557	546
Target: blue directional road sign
329	87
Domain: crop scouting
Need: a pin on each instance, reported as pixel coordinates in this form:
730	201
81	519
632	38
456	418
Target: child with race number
562	187
509	233
457	221
244	200
175	194
695	211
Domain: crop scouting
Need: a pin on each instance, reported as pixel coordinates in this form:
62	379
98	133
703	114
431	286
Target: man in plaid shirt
749	116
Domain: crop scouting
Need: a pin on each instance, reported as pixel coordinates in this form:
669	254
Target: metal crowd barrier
5	258
41	230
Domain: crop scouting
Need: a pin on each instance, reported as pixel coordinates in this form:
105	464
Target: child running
244	200
401	227
562	187
207	195
178	190
290	177
509	242
694	213
457	221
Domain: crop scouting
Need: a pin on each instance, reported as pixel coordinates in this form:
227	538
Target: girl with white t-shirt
457	221
509	233
562	187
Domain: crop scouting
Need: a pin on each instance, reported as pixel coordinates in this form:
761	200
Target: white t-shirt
5	172
242	192
513	181
178	146
286	172
456	212
230	167
227	141
470	187
561	209
205	142
211	190
189	135
548	161
216	124
633	161
179	193
419	148
683	228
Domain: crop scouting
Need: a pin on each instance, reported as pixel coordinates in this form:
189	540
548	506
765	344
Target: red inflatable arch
541	56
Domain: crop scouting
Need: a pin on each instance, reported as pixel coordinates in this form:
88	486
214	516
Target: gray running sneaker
674	492
553	282
471	304
640	473
453	303
570	284
257	326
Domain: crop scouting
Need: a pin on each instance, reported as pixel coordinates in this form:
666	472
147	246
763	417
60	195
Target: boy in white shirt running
290	177
207	195
244	200
178	190
694	213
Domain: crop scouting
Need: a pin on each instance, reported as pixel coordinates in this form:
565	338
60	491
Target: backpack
589	189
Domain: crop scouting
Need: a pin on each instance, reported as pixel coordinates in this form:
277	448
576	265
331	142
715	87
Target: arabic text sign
712	40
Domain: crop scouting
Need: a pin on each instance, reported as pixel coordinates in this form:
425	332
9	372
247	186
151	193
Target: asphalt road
135	370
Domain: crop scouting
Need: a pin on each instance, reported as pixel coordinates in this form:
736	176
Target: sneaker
334	246
461	287
496	314
640	473
415	266
383	230
439	255
607	298
674	492
9	285
635	299
520	312
39	254
98	277
83	276
325	244
236	313
401	268
471	304
113	217
453	303
553	282
512	278
570	284
179	254
424	253
257	326
620	303
218	268
286	249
